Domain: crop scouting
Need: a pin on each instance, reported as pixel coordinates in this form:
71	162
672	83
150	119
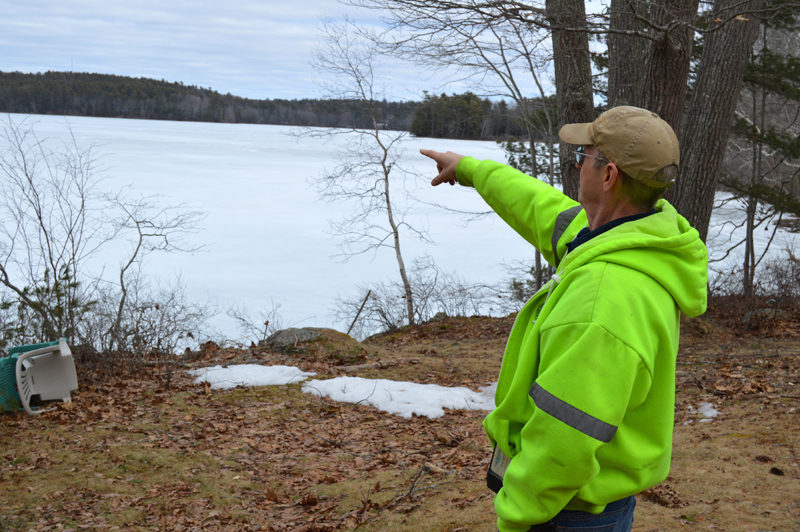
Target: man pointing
586	393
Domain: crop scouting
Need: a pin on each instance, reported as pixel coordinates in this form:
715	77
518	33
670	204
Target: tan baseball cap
636	140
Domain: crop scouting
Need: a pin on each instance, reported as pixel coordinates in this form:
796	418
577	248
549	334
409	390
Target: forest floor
149	453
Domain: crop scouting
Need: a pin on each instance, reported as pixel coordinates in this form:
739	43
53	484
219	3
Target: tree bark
667	63
646	73
573	77
707	125
626	54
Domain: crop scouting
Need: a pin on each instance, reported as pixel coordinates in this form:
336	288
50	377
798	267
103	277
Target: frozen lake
266	232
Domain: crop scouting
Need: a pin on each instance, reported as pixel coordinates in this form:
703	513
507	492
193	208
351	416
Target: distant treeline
468	116
67	93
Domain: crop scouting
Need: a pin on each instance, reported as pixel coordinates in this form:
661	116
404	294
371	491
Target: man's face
591	179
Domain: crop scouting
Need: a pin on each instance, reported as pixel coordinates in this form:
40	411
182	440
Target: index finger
433	154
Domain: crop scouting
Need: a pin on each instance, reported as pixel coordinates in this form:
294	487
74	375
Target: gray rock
439	316
287	339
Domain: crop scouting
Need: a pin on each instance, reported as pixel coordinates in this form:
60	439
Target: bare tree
368	171
437	293
650	47
48	228
508	57
53	220
151	229
260	326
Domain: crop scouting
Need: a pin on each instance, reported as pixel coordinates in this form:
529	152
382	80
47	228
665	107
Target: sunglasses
580	153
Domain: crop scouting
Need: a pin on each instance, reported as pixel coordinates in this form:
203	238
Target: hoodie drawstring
554	280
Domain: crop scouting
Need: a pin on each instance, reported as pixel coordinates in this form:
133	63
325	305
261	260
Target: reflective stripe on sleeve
563	220
577	419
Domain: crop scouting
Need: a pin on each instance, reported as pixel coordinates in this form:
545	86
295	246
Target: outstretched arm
446	164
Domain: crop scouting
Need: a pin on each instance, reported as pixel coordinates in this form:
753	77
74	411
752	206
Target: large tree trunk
726	53
573	77
648	73
667	63
626	53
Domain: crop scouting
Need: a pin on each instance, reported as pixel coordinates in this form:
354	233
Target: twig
380	364
365	399
422	469
388	505
334	443
166	363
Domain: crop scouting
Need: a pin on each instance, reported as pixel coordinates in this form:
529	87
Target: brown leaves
664	495
309	499
738	375
738	385
447	438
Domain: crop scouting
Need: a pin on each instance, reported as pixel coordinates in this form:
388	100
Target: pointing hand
446	165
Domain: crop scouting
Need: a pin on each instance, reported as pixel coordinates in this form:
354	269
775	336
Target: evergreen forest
82	94
105	95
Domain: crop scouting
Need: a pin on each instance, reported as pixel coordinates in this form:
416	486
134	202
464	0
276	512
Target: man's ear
611	177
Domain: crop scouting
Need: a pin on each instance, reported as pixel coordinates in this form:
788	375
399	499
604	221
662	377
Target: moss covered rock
317	342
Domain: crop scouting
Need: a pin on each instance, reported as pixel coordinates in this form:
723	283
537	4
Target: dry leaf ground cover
129	454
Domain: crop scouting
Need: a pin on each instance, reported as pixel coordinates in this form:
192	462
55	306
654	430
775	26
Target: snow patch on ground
249	375
394	397
402	398
706	410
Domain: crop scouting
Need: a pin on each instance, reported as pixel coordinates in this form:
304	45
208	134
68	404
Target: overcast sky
251	48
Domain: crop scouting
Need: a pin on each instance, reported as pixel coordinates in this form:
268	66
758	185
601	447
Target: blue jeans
617	517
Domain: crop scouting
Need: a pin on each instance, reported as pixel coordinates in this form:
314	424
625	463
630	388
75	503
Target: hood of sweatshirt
663	245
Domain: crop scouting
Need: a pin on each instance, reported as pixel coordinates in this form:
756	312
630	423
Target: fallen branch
380	364
391	503
422	469
165	363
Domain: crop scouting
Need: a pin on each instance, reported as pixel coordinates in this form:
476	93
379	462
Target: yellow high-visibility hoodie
586	394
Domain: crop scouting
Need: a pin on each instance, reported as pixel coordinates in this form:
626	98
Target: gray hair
638	193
